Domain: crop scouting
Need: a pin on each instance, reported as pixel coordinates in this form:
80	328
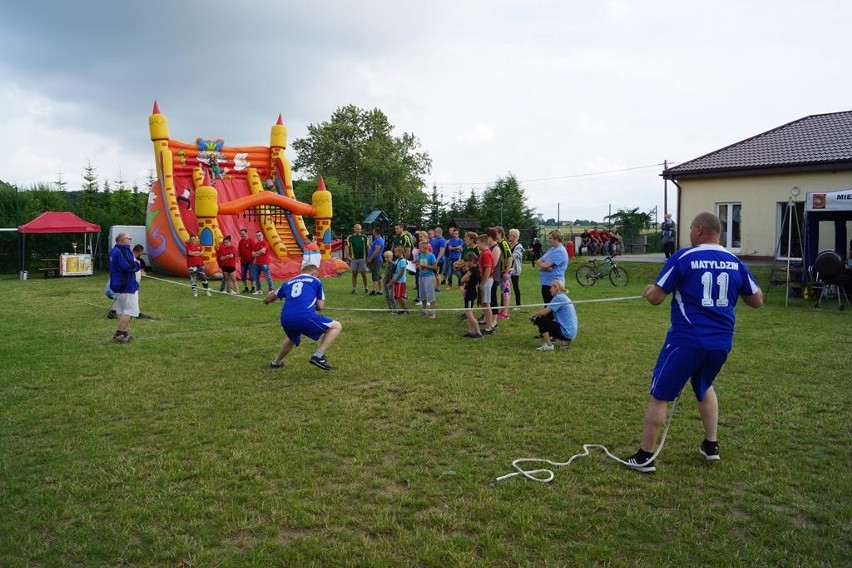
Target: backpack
517	245
108	291
505	256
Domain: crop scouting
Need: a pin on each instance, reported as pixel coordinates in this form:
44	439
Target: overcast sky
581	101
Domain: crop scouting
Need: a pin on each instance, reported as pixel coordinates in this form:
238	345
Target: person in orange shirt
245	248
261	263
195	266
226	256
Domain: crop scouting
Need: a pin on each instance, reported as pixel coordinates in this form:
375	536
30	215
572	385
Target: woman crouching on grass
558	319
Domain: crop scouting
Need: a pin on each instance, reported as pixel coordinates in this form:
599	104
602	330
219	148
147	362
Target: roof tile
820	139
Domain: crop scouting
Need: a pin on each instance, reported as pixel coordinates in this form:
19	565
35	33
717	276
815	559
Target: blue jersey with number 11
706	281
300	295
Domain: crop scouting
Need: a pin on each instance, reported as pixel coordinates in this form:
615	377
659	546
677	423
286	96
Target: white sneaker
545	347
209	293
194	294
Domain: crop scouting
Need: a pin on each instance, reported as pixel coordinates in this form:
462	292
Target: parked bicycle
588	274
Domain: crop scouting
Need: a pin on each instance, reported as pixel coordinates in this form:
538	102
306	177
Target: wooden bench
49	267
636	248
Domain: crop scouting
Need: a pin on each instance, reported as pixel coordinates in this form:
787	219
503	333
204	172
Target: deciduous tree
374	168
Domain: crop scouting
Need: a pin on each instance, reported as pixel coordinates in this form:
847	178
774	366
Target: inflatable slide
212	190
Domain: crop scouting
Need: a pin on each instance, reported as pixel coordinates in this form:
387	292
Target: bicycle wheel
618	276
586	276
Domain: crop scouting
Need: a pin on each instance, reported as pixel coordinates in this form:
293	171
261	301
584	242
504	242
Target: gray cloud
544	89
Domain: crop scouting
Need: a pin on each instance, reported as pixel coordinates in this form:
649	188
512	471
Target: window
730	214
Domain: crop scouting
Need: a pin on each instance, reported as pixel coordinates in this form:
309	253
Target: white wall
135	232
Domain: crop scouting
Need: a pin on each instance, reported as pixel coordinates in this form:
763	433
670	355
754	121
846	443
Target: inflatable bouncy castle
212	190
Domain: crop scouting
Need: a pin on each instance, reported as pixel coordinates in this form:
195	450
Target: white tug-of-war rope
542	475
411	307
546	475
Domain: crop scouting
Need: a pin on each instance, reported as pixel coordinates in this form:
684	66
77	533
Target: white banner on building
829	201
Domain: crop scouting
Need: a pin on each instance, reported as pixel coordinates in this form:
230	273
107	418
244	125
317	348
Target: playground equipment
212	190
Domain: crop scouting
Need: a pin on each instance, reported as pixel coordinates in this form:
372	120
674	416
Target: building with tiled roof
749	183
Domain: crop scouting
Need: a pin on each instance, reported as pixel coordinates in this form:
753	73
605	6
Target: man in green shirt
356	245
401	239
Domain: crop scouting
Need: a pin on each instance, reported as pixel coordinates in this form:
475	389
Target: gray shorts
358	265
127	305
486	291
427	288
376	269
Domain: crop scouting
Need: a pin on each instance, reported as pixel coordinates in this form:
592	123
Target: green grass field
183	449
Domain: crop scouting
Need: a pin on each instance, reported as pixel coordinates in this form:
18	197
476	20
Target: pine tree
61	184
89	188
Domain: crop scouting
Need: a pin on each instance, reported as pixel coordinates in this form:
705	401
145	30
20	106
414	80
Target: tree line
106	203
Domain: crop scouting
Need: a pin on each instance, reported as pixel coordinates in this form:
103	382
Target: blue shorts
676	365
312	326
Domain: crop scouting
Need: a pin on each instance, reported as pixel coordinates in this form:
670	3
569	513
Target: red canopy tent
56	222
59	222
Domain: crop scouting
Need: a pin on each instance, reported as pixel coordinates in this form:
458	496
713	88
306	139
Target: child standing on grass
471	281
428	267
486	269
387	284
469	247
399	280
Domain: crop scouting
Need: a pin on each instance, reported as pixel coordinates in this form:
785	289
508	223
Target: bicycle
589	273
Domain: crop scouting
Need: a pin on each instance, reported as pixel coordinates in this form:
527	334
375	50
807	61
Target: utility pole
656	224
665	189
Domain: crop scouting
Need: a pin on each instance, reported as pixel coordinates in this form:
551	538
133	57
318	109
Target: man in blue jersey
706	281
303	296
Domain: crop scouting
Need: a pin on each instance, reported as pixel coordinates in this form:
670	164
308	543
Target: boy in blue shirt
399	279
706	282
387	284
303	296
426	277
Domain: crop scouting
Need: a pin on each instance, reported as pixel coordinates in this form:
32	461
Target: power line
569	176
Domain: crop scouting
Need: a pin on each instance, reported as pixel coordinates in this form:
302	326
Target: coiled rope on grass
546	475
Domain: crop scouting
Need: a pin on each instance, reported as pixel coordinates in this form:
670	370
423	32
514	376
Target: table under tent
68	263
